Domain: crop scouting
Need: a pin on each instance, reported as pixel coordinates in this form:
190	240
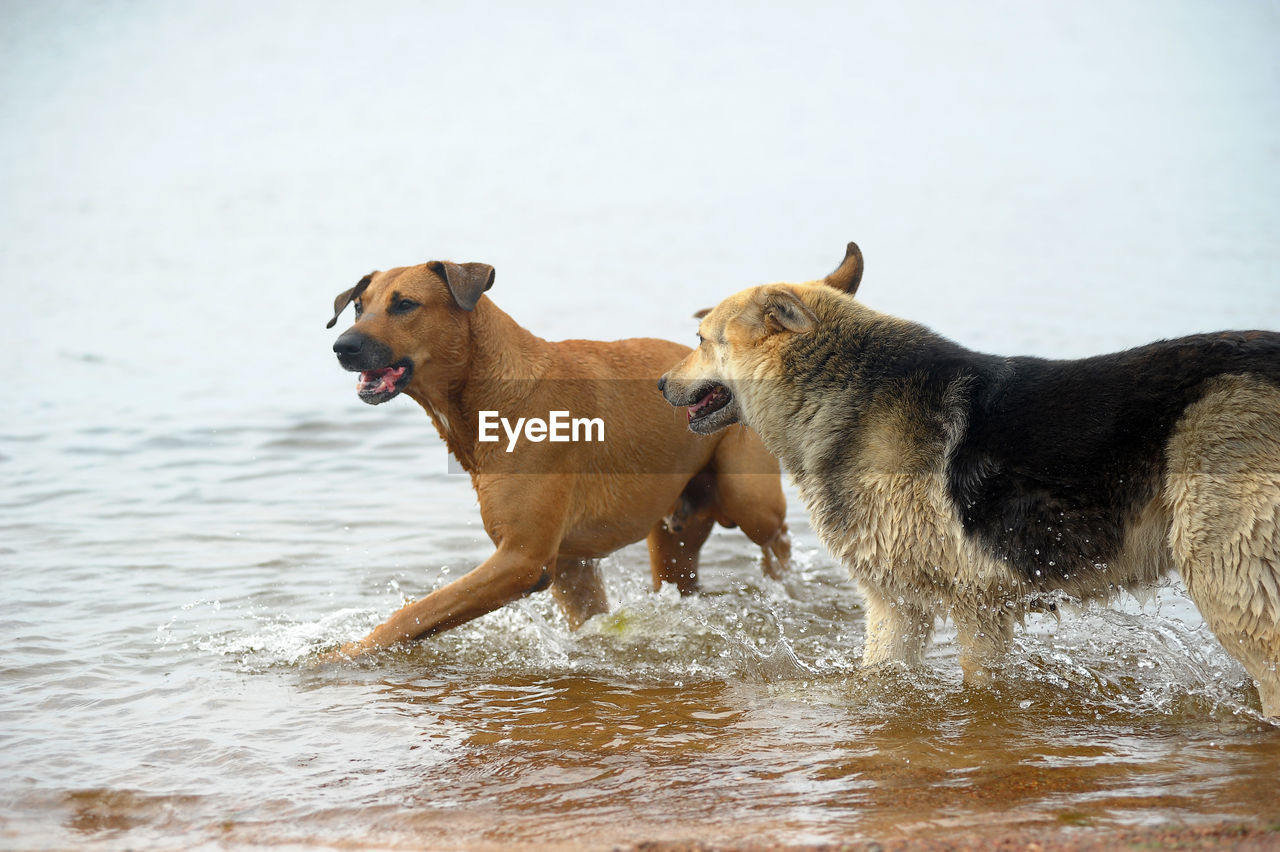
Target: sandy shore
1216	836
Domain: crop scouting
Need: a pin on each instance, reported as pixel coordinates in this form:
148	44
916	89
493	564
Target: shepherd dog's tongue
712	399
379	381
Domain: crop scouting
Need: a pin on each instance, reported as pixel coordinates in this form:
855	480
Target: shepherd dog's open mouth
715	409
712	400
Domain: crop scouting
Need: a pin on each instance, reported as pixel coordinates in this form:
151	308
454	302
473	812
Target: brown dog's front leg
507	575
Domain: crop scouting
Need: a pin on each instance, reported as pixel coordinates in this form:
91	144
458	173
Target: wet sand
117	820
911	810
1172	836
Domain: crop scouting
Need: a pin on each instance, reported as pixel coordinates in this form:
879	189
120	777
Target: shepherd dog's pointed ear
848	274
702	313
467	281
346	297
782	310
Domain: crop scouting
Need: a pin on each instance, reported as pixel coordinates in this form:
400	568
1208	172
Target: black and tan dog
958	484
552	507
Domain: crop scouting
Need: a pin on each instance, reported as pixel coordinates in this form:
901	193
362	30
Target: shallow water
161	689
194	502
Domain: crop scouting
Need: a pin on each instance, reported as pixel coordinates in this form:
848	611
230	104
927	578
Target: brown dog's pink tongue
385	379
390	376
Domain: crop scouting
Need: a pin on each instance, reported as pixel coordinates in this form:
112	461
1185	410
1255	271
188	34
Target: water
194	502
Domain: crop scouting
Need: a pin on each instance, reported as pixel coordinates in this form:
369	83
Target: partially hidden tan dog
978	487
610	463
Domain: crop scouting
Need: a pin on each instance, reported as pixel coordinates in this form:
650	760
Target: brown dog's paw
329	658
347	653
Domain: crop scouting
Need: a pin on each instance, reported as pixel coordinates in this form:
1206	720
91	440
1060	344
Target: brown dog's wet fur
976	487
551	509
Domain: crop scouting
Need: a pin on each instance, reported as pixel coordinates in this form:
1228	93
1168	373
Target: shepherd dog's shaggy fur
953	483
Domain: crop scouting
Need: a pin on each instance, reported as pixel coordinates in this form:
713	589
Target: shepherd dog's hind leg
1233	575
1223	493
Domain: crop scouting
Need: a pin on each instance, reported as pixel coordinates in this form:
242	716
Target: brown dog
551	504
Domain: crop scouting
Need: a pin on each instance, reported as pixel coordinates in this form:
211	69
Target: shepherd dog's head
740	343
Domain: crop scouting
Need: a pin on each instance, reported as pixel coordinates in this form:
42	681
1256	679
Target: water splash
802	636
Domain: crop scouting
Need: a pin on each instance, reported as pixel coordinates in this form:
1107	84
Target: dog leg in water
578	589
984	633
504	577
747	497
673	557
776	552
896	631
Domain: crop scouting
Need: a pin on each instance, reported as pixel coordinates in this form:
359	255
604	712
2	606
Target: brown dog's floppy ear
702	313
467	281
346	297
782	310
848	274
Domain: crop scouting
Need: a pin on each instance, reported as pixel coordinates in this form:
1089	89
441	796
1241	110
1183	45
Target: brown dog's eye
357	307
403	306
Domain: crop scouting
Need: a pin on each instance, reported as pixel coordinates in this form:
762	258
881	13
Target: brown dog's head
407	318
739	342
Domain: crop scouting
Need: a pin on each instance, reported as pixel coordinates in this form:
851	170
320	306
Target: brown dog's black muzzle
358	351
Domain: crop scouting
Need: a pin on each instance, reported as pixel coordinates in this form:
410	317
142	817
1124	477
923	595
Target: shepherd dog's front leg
897	631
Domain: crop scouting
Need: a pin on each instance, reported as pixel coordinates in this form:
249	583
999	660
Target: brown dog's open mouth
716	398
380	385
